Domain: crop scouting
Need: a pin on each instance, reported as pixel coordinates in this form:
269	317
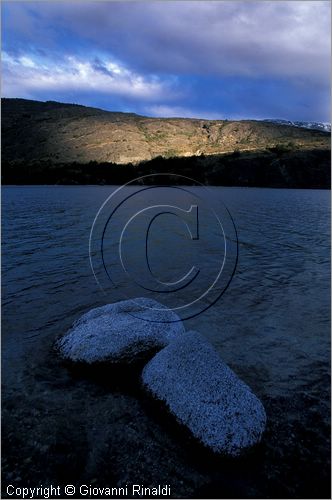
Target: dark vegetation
280	166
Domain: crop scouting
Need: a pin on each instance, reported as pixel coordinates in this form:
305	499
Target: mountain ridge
64	133
313	125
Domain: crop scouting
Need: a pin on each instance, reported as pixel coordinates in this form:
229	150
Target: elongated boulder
204	394
120	333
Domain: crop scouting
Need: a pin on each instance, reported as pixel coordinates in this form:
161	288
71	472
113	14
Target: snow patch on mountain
323	126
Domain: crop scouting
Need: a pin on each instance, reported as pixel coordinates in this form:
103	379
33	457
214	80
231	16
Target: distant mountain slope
54	132
324	127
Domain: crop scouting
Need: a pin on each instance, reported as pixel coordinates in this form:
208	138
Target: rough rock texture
205	395
120	332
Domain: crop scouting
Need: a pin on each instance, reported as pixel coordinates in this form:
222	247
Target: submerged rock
204	394
120	333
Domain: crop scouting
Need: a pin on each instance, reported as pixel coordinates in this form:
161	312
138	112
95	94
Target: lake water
272	326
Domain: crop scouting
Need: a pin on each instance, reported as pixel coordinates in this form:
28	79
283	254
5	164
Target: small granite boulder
122	332
204	394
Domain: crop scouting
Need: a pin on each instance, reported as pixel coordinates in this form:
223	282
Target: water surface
272	326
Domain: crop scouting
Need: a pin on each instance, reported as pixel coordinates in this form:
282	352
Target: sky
204	59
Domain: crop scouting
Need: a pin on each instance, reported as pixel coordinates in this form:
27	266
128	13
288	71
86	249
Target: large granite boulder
205	395
122	332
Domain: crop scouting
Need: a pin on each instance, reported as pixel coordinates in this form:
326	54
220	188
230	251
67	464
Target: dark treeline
276	167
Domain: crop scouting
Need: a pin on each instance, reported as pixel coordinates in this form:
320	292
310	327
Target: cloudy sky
213	59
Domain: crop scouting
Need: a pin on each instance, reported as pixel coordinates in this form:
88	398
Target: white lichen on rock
120	333
204	394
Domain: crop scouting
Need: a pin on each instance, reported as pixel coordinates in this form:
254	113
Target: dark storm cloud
167	46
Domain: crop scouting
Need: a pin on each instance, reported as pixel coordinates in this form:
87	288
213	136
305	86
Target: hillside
55	143
63	133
